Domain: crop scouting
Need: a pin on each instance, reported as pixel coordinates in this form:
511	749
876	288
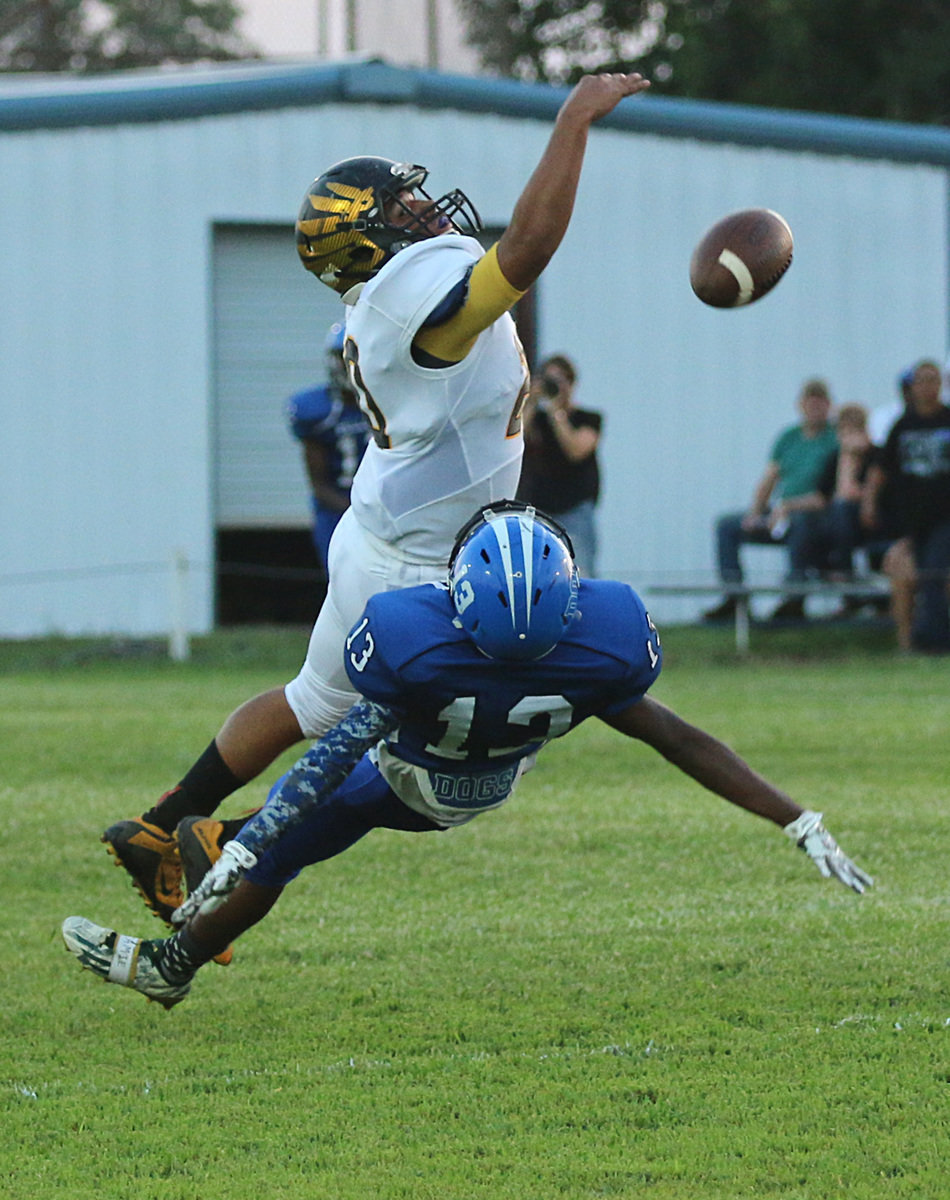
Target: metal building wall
269	319
107	356
695	397
107	369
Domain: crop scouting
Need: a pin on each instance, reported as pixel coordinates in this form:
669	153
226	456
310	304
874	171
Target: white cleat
128	961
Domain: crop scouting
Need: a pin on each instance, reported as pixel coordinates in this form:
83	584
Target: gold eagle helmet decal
328	235
346	230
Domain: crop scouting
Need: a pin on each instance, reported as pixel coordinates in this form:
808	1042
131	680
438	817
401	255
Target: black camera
550	386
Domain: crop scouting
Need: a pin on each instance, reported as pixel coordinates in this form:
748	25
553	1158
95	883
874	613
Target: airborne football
741	258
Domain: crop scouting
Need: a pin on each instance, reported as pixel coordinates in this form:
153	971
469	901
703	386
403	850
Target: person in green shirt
785	504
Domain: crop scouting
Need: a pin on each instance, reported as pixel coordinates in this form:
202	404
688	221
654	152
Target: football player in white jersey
432	351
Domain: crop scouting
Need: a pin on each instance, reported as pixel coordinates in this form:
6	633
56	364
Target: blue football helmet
336	336
513	581
336	365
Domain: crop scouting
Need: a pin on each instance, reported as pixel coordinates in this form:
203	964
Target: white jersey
445	440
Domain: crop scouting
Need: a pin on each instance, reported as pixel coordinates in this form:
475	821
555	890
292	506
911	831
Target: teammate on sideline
462	685
332	431
436	361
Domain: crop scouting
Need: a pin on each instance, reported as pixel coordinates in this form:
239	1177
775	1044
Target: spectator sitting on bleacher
915	462
838	527
840	530
785	505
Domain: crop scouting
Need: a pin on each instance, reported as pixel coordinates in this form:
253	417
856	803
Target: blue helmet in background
336	335
333	348
513	581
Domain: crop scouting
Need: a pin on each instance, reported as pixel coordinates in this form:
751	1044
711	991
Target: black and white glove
810	835
217	884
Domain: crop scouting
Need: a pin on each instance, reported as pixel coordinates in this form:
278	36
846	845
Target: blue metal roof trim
167	96
140	97
789	130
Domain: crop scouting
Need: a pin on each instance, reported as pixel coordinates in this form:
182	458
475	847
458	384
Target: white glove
811	836
217	884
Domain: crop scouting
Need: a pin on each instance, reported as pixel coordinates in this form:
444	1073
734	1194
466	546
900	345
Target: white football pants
359	566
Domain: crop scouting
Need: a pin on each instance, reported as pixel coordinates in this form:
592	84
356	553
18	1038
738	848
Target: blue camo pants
364	801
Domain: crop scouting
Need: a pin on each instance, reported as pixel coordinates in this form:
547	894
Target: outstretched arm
538	223
711	763
544	209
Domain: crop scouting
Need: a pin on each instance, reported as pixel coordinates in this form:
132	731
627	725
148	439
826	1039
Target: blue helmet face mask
513	582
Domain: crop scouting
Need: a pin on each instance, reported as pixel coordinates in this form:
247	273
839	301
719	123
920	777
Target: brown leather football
741	258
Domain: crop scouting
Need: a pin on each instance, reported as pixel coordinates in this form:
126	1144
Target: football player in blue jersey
332	430
462	684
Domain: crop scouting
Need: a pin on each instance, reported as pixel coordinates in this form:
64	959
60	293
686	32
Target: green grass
616	986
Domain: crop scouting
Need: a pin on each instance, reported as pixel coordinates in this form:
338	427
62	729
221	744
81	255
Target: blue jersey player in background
329	424
462	684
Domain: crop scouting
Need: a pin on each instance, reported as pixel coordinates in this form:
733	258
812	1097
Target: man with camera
560	474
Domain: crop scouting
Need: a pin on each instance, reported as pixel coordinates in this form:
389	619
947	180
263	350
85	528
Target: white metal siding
109	363
270	319
694	396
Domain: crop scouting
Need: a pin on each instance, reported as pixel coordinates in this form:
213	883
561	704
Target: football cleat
150	855
127	961
200	840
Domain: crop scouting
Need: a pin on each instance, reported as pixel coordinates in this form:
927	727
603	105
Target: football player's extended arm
711	763
538	223
318	773
544	209
489	295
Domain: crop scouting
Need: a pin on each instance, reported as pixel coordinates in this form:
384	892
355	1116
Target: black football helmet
343	236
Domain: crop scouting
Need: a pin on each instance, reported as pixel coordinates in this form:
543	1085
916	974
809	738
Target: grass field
617	986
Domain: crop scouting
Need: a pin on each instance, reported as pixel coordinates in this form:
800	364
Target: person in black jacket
560	473
915	462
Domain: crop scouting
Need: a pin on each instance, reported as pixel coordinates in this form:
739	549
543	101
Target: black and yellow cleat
150	855
200	841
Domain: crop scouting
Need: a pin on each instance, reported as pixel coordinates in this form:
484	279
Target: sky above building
411	33
287	29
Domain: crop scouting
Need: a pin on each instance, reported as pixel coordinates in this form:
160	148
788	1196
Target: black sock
233	826
181	957
207	783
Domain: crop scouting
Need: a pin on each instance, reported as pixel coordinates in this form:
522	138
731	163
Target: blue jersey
319	415
457	728
455	706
